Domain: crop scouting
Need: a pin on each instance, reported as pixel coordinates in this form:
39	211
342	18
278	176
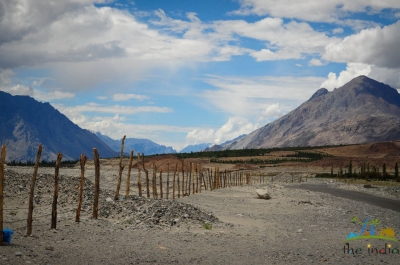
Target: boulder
263	194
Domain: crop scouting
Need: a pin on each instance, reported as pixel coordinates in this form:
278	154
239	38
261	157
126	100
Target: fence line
189	181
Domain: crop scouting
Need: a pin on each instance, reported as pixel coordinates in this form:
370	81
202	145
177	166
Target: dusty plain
224	226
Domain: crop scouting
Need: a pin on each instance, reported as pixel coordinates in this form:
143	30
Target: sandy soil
294	227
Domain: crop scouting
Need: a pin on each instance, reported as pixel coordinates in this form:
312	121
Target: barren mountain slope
361	111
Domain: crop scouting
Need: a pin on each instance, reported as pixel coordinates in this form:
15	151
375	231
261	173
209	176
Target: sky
183	72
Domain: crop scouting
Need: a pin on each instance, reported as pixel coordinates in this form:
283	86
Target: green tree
384	170
396	171
350	169
332	172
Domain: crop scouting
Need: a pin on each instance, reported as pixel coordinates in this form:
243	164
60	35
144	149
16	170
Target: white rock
109	199
263	194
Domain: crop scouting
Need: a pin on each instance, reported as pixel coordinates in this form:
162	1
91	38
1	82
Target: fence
191	179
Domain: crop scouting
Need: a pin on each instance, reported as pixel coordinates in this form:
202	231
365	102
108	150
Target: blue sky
186	72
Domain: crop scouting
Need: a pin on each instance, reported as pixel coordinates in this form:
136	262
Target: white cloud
234	127
199	136
268	55
272	111
125	97
116	126
384	75
277	35
114	109
375	46
315	62
313	10
352	70
337	30
248	96
5	77
20	90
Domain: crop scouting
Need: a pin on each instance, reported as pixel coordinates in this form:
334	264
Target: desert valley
205	207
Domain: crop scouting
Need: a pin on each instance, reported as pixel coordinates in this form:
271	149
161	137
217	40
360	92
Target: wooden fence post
177	183
173	182
96	183
192	177
167	181
128	177
147	177
183	180
2	161
197	178
161	188
55	197
121	168
209	178
155	194
82	161
139	180
31	192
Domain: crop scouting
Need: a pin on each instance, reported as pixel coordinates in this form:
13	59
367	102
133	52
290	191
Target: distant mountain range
195	148
361	111
25	123
144	146
219	147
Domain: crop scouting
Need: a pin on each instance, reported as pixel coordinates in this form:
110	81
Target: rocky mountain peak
320	92
363	110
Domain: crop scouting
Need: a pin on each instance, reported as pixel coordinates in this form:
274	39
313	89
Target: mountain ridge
145	146
25	123
363	110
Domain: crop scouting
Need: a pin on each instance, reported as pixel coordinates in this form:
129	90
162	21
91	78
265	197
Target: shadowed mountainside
25	123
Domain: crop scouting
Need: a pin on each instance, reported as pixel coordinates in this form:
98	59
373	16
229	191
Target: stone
109	199
18	254
263	194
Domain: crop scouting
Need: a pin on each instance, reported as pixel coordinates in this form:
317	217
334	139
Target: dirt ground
224	226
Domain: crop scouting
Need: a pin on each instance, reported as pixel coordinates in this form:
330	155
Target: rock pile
131	210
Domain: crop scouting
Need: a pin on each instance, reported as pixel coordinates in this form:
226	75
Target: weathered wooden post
161	187
55	197
147	177
96	183
128	177
2	161
179	187
139	180
167	181
82	162
183	179
189	174
173	182
32	190
121	168
154	181
209	179
192	176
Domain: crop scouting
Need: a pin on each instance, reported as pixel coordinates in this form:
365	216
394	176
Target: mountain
361	111
219	147
194	148
138	145
25	123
